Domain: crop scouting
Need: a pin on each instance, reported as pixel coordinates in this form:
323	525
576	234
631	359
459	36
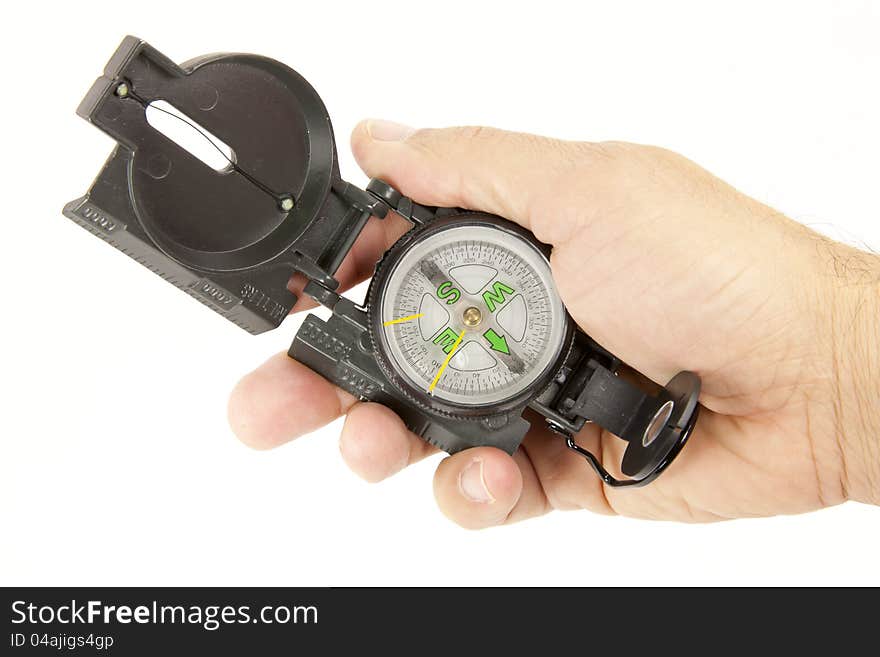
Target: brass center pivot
472	317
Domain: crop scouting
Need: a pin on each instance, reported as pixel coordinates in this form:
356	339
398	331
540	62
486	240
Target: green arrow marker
498	342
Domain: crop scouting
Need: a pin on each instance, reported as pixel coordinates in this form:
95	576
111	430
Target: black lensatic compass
462	329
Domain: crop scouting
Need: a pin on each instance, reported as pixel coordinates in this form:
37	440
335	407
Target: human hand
670	269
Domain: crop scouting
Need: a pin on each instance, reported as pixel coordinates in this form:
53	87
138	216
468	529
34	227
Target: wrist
854	334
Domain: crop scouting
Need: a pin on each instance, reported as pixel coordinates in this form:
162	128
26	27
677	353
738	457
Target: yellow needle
446	362
402	319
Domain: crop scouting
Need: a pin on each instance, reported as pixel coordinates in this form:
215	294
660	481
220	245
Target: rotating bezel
378	287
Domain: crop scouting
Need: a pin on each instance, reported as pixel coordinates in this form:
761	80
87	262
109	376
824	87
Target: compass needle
390	322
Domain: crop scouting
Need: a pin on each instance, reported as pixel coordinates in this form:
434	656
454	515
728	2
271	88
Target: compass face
470	315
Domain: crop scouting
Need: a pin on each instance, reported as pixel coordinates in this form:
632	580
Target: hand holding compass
748	455
463	335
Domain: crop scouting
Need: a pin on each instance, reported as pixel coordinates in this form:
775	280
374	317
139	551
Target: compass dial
470	315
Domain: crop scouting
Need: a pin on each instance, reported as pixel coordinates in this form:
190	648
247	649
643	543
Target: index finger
281	400
477	168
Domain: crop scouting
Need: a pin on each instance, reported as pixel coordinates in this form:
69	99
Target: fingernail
388	130
472	483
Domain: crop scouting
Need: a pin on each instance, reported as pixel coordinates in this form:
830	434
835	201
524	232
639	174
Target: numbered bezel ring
415	249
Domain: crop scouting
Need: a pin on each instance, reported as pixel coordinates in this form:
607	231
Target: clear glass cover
471	315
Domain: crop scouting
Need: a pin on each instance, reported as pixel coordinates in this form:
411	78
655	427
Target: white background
117	465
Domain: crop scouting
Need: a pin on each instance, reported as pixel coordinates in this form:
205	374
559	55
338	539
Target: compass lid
231	236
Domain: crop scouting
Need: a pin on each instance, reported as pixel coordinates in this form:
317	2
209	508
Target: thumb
472	167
